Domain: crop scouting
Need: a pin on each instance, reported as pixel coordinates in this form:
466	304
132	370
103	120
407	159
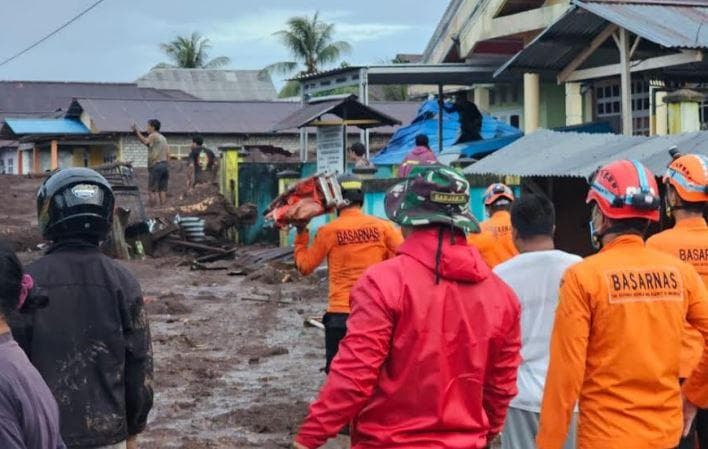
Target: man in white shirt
535	276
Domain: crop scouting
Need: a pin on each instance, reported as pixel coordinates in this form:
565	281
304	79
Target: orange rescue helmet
496	192
688	174
625	189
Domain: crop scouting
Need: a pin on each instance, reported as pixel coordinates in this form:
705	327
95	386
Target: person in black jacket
92	342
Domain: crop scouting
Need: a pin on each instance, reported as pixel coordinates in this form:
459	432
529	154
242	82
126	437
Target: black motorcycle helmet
351	188
75	202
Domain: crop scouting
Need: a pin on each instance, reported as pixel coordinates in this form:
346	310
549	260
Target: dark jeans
699	431
335	329
702	428
159	175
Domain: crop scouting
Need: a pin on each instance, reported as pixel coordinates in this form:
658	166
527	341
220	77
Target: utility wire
64	25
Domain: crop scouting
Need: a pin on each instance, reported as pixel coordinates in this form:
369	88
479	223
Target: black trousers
699	432
335	329
702	428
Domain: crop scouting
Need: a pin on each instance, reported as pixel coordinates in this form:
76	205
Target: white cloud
261	25
359	32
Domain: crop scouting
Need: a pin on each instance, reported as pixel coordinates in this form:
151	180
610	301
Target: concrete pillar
532	102
55	155
684	114
573	104
625	83
588	106
662	115
36	162
20	162
481	98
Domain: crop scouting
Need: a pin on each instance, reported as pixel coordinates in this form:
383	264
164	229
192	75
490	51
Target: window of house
703	112
11	166
492	97
609	102
503	94
2	167
515	94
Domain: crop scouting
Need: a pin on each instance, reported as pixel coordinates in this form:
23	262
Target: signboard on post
330	148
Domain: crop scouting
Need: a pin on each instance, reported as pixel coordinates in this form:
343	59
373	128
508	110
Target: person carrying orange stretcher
618	329
351	244
495	242
686	182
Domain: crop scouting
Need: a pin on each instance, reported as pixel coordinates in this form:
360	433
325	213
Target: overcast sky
119	40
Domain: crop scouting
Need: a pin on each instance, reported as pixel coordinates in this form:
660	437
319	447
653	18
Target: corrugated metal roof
212	84
208	117
44	98
669	25
476	69
552	153
347	107
22	126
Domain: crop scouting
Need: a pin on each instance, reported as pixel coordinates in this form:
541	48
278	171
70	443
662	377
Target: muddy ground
18	207
229	372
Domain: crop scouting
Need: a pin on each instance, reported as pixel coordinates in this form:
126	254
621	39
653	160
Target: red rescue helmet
625	189
497	192
689	176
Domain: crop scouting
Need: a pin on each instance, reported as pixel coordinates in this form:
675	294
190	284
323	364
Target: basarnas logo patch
644	285
448	198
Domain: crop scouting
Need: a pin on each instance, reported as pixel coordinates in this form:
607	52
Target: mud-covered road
229	372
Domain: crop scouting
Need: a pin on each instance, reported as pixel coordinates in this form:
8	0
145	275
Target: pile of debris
267	265
200	220
219	215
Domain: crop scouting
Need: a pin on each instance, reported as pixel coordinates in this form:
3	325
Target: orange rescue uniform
615	347
688	241
351	243
495	243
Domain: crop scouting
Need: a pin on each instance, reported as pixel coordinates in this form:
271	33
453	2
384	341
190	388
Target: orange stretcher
306	199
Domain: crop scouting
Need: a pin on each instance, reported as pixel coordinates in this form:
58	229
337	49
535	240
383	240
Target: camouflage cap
432	195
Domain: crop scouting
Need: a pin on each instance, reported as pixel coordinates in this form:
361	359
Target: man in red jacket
432	346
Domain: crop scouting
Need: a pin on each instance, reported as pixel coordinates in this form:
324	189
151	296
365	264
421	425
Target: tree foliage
191	52
311	44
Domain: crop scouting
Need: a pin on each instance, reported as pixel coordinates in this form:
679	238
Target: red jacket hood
458	262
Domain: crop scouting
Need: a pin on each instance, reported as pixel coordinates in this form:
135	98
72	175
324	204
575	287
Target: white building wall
8	161
135	151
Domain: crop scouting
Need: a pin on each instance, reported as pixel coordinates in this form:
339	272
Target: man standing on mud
351	244
432	348
158	155
92	342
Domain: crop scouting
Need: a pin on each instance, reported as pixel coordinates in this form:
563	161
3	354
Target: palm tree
309	41
191	52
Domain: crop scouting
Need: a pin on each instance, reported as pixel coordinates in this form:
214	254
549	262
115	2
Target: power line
64	25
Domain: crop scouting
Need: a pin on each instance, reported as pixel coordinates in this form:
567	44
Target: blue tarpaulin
495	134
